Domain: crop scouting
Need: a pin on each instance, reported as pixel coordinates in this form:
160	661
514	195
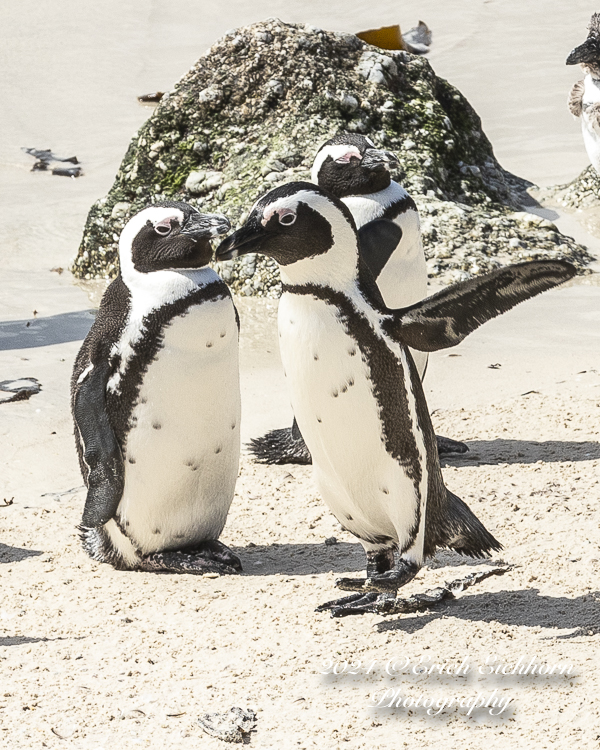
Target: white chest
182	451
590	121
333	399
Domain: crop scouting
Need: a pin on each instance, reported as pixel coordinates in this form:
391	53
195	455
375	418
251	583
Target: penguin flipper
575	102
377	240
101	451
446	318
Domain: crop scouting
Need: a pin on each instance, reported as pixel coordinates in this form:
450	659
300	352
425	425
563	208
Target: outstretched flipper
449	316
101	451
377	241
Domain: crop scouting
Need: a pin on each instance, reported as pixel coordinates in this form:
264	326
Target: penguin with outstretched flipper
355	389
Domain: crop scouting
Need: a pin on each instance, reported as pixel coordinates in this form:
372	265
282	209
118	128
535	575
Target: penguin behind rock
156	401
584	98
353	169
354	387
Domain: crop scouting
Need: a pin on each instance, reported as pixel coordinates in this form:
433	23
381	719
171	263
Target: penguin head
588	54
308	231
168	236
350	164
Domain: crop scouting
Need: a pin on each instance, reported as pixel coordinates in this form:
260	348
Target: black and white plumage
354	387
351	167
584	97
156	401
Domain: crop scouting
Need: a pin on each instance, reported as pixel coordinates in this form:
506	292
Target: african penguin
584	98
354	387
156	401
353	169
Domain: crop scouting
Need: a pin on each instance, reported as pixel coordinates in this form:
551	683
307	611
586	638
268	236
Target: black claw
447	445
345	600
215	550
375	604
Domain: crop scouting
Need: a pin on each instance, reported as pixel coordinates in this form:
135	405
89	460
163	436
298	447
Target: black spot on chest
389	380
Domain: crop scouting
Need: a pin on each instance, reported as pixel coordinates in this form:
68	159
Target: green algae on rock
254	110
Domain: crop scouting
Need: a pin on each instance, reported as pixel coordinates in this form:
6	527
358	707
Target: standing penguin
584	99
351	167
354	387
156	401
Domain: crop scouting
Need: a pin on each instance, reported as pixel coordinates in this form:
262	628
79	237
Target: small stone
348	103
120	210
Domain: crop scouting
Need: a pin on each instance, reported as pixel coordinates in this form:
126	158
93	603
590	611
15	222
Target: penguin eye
348	157
287	219
163	228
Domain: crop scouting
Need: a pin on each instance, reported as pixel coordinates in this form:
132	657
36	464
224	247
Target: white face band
341	153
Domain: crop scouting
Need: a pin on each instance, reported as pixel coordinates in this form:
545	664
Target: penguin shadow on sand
522	607
300	559
494	452
10	554
54	329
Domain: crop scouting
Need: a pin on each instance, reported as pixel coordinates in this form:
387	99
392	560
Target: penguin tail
464	532
280	447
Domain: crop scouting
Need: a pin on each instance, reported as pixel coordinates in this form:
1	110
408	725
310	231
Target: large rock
254	110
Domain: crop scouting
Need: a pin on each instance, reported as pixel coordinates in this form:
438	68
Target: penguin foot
358	604
447	445
280	447
208	557
382	583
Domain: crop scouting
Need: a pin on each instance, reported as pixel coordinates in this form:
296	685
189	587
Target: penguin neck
158	288
592	70
371	206
338	268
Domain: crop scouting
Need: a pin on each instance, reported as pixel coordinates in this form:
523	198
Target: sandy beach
93	658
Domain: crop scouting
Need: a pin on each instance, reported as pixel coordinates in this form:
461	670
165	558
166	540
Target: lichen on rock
254	110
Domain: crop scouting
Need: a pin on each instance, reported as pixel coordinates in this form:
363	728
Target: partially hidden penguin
353	169
155	398
584	98
356	391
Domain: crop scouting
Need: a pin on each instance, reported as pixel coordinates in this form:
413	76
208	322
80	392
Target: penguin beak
206	225
586	53
375	158
247	239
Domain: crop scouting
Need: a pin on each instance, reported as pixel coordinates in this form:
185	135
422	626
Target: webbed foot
447	445
207	557
382	583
